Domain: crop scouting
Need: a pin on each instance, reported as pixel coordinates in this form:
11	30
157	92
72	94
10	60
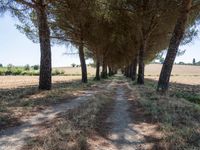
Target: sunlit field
181	74
184	74
7	82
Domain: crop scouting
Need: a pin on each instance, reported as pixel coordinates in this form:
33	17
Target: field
76	71
181	74
184	74
7	82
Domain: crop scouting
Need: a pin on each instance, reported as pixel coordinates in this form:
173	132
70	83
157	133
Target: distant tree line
160	59
25	70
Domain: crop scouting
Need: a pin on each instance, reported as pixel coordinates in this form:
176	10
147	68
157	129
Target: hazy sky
16	49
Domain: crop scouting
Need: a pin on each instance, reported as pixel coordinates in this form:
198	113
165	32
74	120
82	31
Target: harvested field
76	71
7	82
184	74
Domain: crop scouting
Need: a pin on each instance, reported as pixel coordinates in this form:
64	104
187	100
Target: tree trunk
45	48
129	71
134	69
125	71
163	83
104	70
110	72
83	64
140	79
97	70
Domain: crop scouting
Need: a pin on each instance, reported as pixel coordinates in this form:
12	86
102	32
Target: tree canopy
114	33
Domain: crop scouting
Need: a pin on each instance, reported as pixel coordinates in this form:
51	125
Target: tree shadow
28	100
14	96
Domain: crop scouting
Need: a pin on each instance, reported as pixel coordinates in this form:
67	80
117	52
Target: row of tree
116	34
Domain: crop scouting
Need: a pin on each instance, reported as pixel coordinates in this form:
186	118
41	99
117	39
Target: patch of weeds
192	97
188	92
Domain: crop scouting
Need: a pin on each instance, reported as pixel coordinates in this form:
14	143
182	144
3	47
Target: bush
16	71
2	72
33	73
8	72
57	72
30	73
11	70
27	67
36	67
73	65
1	65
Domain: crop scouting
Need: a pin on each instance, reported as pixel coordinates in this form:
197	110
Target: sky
17	49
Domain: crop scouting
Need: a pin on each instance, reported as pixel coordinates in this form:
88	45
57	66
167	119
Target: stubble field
183	74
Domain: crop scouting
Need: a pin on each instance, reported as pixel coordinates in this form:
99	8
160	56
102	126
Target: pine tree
163	83
33	14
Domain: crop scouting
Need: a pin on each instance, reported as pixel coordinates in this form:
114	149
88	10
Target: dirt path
14	138
124	133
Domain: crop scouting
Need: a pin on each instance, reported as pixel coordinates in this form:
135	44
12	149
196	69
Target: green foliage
192	97
112	34
1	65
17	71
73	65
36	67
57	72
2	71
28	71
27	67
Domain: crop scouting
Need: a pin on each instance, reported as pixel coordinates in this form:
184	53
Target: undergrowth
179	118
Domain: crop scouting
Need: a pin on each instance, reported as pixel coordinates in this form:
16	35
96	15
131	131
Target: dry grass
71	131
179	118
24	101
